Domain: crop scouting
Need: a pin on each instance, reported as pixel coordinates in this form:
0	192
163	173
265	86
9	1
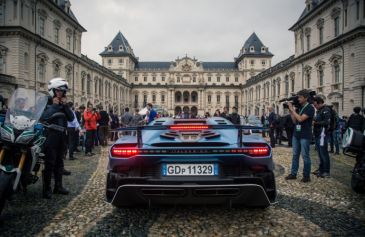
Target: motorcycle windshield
25	108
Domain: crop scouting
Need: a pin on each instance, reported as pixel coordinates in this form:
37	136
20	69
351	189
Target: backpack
334	120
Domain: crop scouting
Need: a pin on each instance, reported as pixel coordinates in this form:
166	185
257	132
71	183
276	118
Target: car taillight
189	127
123	151
254	151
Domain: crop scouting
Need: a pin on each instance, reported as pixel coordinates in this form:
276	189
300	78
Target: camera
294	100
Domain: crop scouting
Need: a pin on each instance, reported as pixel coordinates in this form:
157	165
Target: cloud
210	30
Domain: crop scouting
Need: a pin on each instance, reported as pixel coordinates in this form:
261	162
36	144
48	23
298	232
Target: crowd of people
90	126
309	123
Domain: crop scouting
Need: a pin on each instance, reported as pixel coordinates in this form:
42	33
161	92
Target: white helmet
57	83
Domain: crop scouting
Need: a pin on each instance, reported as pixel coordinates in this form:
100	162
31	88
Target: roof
166	65
119	47
61	4
306	11
255	42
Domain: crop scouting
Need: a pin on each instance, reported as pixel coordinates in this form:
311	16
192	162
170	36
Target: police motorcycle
22	139
353	144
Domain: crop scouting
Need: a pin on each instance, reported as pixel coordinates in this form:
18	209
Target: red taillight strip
124	152
189	127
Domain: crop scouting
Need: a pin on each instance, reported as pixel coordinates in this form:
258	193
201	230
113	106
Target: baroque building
329	58
40	40
187	84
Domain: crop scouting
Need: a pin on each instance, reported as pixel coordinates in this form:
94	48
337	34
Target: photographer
302	119
321	125
55	145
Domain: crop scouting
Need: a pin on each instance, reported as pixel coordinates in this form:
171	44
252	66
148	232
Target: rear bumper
251	195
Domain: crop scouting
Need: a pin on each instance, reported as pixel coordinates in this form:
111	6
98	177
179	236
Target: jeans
301	146
324	158
90	139
335	140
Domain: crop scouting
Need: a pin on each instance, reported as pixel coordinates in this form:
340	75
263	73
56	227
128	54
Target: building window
1	63
345	13
15	13
135	78
144	100
209	79
218	98
41	70
337	26
109	62
153	98
194	79
302	42
357	10
308	80
178	79
236	101
21	10
57	71
153	78
162	98
320	35
286	86
136	100
88	87
227	79
320	75
68	42
163	78
209	99
263	62
337	72
308	42
144	79
292	85
218	79
41	26
236	79
252	62
56	35
227	101
121	61
252	49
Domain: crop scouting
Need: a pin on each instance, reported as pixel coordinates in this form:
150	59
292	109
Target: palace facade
41	39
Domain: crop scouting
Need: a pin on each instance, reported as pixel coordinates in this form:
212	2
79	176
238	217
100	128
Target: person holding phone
91	116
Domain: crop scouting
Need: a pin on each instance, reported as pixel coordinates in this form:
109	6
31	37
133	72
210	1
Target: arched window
26	62
320	76
178	97
194	97
186	96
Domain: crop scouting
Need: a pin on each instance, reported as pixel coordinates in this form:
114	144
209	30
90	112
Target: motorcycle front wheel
5	188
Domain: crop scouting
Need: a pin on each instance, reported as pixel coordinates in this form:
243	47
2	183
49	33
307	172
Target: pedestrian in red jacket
90	117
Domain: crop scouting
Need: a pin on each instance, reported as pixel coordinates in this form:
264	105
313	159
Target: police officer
55	142
321	125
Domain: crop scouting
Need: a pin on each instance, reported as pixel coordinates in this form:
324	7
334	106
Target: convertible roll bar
139	130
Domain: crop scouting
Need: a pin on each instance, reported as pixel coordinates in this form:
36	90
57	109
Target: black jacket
357	122
235	119
104	118
322	120
56	108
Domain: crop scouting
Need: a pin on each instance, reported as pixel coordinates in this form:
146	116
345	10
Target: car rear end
191	164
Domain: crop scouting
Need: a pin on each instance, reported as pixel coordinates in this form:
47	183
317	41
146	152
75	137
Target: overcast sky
210	30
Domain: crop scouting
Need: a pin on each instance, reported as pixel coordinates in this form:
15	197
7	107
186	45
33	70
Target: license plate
189	169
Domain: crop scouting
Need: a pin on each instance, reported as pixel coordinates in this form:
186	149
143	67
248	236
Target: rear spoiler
240	128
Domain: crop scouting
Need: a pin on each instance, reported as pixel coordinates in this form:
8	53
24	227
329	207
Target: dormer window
244	50
263	49
252	49
110	48
120	48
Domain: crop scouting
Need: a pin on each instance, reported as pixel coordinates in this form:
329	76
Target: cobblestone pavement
323	207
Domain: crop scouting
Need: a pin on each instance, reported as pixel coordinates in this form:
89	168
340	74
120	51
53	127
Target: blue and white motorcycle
22	139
